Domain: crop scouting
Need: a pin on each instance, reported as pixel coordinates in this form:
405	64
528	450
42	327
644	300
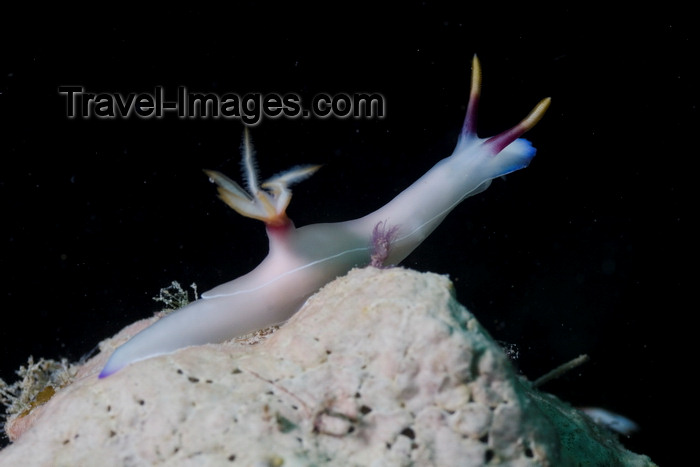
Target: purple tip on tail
109	369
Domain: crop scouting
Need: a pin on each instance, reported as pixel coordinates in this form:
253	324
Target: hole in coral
192	379
488	456
364	410
232	457
409	433
529	453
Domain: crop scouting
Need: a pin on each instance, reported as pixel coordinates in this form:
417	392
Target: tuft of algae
174	297
38	381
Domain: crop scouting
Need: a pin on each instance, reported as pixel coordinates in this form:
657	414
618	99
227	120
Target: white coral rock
379	368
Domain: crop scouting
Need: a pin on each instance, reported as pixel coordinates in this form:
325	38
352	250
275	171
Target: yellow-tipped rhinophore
535	114
475	88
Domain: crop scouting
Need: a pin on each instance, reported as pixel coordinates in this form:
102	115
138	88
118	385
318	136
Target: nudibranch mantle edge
301	260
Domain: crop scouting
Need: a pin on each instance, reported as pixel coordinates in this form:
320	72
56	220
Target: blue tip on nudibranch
106	372
519	153
110	368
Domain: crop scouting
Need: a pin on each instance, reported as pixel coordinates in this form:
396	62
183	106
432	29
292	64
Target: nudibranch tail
267	202
302	260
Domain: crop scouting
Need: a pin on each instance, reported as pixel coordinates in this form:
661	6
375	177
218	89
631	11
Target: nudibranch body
302	260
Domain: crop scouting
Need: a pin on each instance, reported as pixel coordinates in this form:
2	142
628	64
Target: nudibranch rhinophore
302	260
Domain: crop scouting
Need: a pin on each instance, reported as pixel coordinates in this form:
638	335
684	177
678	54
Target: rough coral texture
379	368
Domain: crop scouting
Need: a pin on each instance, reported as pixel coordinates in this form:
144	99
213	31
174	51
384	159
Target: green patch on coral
284	424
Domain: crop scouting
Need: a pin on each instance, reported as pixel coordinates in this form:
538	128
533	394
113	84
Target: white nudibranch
301	261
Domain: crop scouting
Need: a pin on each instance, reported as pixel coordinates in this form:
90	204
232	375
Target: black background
585	251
